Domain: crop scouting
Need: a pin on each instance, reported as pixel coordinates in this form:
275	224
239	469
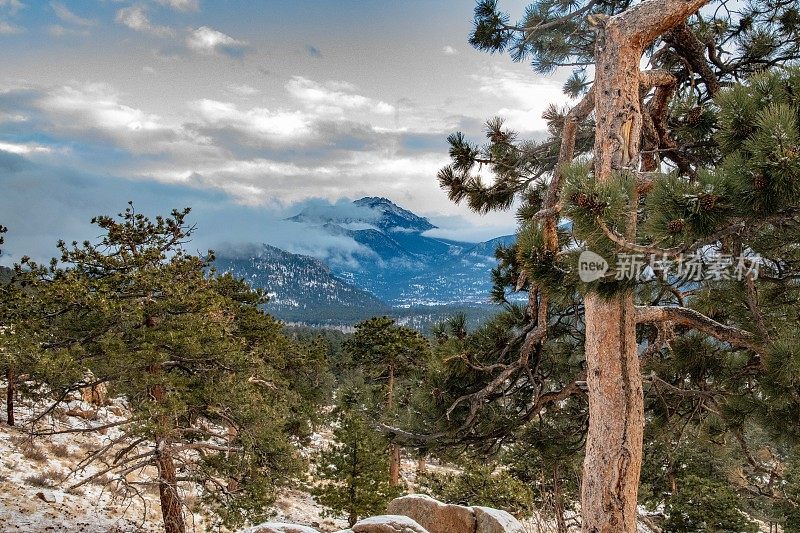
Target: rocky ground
36	476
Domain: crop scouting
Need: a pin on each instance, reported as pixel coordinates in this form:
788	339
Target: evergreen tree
726	158
388	355
353	469
215	390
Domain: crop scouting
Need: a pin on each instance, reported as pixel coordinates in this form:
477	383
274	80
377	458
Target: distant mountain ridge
299	286
394	265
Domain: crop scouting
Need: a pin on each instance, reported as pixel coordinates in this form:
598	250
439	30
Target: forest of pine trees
669	381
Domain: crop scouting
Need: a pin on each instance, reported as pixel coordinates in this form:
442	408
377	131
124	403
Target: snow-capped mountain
394	264
372	211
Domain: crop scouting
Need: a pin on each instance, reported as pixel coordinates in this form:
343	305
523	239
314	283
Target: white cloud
449	50
135	18
208	41
94	111
259	122
100	105
12	117
24	149
63	13
331	98
260	181
181	5
9	29
57	30
242	89
522	98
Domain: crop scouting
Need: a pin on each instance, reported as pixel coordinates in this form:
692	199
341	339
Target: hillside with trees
640	371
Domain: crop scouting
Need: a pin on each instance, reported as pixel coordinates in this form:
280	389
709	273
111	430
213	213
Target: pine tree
353	469
388	355
215	390
643	122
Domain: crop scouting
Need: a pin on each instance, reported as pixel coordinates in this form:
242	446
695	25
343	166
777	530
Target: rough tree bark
616	406
171	510
558	502
171	505
352	516
394	449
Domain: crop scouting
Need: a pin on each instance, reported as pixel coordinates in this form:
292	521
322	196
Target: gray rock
496	521
51	496
433	515
388	524
280	527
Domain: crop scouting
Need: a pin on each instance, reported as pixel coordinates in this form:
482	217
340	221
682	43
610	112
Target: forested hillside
627	362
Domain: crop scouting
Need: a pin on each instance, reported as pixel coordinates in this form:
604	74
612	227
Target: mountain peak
374	201
393	217
370	211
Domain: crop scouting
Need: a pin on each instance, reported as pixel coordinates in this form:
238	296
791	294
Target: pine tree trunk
422	465
353	514
558	502
616	417
10	390
394	449
171	507
171	504
616	405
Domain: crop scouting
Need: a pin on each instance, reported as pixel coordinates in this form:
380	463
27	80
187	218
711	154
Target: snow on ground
32	472
43	469
46	466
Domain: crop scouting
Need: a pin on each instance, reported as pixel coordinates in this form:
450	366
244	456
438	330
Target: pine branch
686	316
626	244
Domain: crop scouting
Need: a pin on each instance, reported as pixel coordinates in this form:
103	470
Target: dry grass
60	450
102	481
28	449
46	479
192	502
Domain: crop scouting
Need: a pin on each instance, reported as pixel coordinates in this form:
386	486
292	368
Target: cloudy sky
245	110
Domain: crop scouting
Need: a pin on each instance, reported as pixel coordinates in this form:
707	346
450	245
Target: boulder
86	414
51	496
496	521
280	527
433	515
388	524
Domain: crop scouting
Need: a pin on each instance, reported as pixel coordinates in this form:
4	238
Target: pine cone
581	200
676	226
708	201
694	115
597	207
760	182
